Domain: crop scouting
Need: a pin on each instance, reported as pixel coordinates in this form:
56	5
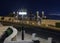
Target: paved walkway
26	36
29	37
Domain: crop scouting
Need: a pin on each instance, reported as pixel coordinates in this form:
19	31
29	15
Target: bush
9	31
2	18
58	24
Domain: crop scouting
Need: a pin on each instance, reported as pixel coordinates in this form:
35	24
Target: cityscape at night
29	21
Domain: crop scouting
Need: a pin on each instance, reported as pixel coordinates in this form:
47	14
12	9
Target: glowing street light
22	13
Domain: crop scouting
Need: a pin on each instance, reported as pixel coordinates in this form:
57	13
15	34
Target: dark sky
49	6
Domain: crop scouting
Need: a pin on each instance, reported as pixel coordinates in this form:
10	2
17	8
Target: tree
11	15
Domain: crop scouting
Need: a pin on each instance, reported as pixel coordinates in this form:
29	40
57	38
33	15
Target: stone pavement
26	36
29	37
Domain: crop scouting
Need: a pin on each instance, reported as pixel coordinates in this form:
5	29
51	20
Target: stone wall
49	22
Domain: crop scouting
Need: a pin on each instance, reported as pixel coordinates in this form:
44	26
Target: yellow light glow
27	22
32	23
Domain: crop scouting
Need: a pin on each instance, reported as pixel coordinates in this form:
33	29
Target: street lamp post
22	13
22	29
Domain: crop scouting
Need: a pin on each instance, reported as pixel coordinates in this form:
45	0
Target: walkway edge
12	35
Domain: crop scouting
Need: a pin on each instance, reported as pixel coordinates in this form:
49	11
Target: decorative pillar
42	14
38	22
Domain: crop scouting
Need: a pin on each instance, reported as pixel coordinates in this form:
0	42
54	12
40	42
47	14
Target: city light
22	13
13	12
27	22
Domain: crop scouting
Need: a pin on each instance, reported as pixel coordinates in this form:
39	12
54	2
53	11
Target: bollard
33	35
35	39
49	40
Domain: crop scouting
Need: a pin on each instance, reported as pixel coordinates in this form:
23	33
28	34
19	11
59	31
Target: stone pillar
38	17
42	14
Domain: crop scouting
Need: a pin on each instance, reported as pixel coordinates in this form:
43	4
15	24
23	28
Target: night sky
51	7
